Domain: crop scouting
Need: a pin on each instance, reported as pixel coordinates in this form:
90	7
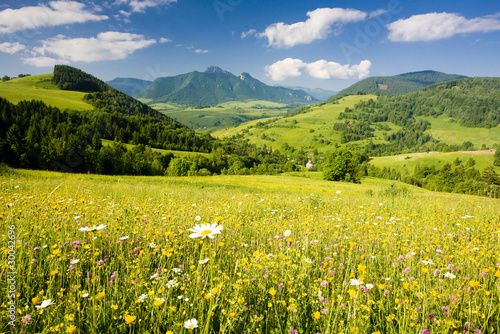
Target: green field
105	254
454	133
106	142
313	129
225	115
40	87
410	161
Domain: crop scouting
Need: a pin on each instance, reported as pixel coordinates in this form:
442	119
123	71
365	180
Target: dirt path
485	152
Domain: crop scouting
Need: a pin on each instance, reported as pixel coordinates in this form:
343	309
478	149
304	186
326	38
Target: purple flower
324	284
293	331
36	249
426	331
437	272
72	267
324	311
100	262
406	271
281	286
26	320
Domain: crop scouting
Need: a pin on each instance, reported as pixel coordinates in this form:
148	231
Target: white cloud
318	26
284	69
43	61
377	12
200	51
248	33
56	13
139	6
11	47
109	45
165	40
321	69
435	26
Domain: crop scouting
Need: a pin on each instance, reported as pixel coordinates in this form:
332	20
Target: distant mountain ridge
319	93
215	86
397	84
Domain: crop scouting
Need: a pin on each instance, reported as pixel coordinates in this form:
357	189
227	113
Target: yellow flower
352	293
272	292
71	329
269	305
317	315
215	290
56	252
232	315
169	332
406	285
377	332
425	270
381	286
101	295
474	284
361	268
241	300
114	307
150	293
129	319
54	272
173	308
35	300
158	302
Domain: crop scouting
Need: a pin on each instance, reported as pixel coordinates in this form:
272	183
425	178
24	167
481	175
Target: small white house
309	163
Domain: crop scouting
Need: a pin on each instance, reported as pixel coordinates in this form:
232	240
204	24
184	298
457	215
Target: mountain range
210	88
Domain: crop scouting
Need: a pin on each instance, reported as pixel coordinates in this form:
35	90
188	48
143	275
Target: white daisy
203	261
287	233
75	261
205	230
355	281
191	324
45	303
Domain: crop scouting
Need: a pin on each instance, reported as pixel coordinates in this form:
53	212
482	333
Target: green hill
42	87
397	84
129	86
215	86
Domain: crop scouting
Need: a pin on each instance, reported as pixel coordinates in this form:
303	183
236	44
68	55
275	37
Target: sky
313	43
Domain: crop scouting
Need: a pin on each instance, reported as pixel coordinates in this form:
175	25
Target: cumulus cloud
43	61
56	13
109	45
377	12
140	6
320	24
11	47
321	69
165	40
435	26
200	51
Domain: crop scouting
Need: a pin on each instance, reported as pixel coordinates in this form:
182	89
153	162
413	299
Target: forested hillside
397	84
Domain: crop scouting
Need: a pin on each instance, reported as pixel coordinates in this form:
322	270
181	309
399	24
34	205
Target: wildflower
308	260
205	230
356	282
100	262
74	261
171	284
101	295
158	302
26	320
272	292
71	329
124	237
85	295
203	261
293	331
317	315
45	303
369	286
324	284
287	233
474	284
449	275
129	319
191	324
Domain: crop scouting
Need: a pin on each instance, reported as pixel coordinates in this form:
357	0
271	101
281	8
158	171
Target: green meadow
40	87
228	114
244	254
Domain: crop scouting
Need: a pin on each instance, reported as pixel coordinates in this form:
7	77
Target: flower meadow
243	254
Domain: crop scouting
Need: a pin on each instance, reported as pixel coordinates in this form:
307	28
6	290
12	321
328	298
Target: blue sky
326	44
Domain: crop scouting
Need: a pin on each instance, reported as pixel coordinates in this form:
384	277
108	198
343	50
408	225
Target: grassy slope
409	161
40	87
454	133
320	120
224	115
175	153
